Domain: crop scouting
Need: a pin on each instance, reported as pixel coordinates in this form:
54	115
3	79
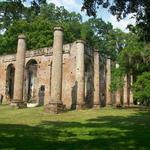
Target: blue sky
75	5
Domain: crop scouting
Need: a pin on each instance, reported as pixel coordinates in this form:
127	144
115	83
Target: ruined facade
64	76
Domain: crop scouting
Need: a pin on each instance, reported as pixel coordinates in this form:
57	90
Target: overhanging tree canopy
121	8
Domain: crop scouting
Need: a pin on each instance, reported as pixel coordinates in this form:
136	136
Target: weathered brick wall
43	75
68	82
4	62
43	57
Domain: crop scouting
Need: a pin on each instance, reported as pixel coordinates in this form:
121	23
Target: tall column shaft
125	91
108	81
118	97
96	80
80	73
56	80
55	104
131	93
19	69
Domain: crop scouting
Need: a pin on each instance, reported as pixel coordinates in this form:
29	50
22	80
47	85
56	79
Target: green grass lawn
103	129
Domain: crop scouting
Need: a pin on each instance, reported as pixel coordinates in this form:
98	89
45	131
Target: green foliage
121	8
141	88
134	56
115	43
38	26
34	39
9	11
117	79
98	35
131	54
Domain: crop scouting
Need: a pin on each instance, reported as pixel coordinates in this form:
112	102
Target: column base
80	106
108	103
125	104
54	108
73	106
128	105
18	104
96	105
118	105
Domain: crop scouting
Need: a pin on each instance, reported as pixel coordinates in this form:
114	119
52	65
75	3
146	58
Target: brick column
131	93
125	91
118	92
118	98
19	73
80	74
55	105
96	80
108	82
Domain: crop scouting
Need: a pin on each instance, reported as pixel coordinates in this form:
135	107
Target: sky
75	5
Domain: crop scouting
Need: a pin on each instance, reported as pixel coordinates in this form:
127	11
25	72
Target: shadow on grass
101	133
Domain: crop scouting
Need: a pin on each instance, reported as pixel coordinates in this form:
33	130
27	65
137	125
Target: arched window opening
10	73
31	77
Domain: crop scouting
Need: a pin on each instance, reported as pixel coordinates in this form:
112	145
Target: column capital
21	36
96	51
80	41
58	28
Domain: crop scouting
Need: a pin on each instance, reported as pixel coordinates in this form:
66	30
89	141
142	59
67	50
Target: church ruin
68	76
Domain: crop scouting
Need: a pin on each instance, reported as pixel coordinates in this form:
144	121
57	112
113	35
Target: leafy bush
141	88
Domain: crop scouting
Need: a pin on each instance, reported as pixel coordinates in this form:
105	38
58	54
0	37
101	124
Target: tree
117	79
13	10
121	8
132	56
98	34
39	28
141	88
9	11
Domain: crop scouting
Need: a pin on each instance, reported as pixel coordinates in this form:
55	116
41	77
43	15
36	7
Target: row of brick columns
126	93
55	103
80	79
